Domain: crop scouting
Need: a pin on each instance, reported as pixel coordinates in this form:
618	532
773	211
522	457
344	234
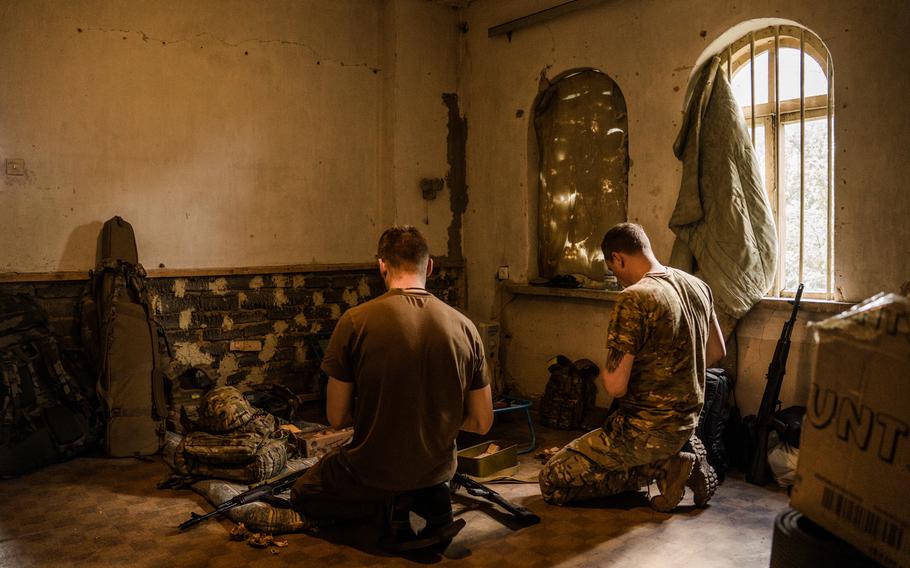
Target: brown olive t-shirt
412	360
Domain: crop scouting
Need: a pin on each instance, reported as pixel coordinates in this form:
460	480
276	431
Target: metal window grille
771	118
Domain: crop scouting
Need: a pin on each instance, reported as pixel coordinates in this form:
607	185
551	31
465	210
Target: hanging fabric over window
724	227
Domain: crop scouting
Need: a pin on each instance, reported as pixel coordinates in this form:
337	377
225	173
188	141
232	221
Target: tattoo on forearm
613	359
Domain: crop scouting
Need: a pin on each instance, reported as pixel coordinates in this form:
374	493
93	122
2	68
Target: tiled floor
98	512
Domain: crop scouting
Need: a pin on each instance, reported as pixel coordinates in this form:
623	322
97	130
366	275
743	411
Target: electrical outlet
503	273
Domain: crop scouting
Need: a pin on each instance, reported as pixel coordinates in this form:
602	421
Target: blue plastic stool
520	404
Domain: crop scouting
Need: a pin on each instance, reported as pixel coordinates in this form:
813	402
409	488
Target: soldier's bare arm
339	403
616	372
715	350
478	411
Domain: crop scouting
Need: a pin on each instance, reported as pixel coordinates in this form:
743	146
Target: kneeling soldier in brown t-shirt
408	371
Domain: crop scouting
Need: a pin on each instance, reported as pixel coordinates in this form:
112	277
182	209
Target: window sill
572	293
805	305
777	304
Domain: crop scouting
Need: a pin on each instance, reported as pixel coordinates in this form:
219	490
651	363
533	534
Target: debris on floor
256	540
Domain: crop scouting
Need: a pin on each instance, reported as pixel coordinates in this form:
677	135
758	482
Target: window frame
773	115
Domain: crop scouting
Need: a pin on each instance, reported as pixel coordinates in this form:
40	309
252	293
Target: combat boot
703	480
674	473
434	504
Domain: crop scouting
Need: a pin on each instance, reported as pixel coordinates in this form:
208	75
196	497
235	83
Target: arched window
580	127
782	77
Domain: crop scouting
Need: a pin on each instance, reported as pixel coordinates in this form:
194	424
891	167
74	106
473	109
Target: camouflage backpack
233	441
569	393
45	415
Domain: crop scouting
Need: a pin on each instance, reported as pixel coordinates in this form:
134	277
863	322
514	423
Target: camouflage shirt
663	320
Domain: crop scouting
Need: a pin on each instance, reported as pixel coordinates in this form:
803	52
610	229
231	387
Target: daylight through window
782	78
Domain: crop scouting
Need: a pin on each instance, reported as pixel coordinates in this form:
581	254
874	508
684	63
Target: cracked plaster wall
236	133
649	49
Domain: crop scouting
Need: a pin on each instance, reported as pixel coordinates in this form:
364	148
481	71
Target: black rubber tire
800	543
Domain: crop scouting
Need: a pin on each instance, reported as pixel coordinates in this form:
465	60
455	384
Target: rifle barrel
758	467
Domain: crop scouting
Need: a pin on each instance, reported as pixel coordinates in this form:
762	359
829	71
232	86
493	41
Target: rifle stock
758	466
476	489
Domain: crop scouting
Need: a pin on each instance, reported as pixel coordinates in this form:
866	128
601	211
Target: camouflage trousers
608	461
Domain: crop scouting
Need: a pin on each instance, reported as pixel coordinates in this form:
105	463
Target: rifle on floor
758	468
262	491
476	489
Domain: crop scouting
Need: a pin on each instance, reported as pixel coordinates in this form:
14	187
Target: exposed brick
346	280
247	361
283	354
290	338
218	334
175	305
299	296
59	289
328	326
238	283
216	348
257	329
325	311
333	296
286	313
181	336
206	319
254	320
212	303
247	316
259	299
197	284
17	288
169	321
161	286
60	307
318	281
235	378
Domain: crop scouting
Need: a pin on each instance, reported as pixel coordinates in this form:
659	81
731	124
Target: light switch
15	167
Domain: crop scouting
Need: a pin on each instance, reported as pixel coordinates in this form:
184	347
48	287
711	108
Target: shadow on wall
78	253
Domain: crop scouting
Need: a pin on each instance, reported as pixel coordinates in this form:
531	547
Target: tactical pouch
267	462
569	393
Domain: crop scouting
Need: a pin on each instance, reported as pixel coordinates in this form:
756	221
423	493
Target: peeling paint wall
649	48
237	133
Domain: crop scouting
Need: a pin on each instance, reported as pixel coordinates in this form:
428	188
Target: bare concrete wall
649	48
229	133
539	328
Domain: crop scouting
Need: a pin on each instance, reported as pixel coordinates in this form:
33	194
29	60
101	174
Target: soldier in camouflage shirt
662	335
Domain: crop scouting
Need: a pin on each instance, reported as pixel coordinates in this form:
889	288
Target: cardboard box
318	443
853	476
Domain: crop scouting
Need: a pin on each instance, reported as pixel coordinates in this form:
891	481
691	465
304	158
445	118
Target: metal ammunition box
471	462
